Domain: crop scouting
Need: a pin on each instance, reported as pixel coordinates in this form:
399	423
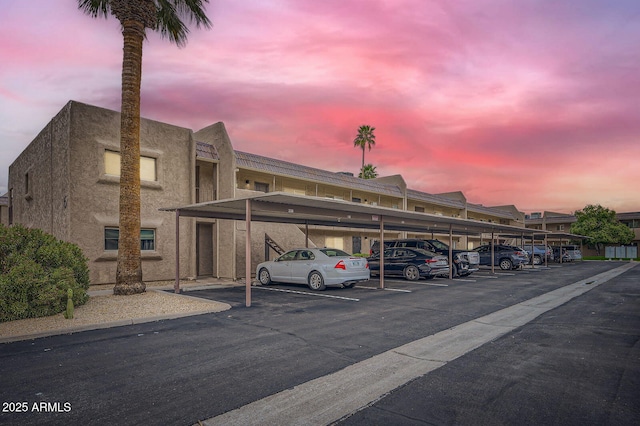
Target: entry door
356	244
204	249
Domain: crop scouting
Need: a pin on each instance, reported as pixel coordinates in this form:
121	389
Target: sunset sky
534	103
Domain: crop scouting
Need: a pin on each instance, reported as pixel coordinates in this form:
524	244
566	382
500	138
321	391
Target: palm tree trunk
129	269
362	157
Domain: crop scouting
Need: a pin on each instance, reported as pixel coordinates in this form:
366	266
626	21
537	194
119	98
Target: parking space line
330	296
432	284
327	399
465	280
387	289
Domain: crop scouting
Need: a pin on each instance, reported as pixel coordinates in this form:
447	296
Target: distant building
561	222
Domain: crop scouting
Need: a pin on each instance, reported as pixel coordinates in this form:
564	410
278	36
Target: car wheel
537	260
264	277
411	273
316	282
349	285
506	264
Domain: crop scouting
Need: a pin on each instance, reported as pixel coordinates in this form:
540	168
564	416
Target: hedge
36	271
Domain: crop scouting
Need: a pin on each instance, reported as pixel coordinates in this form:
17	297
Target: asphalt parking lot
578	363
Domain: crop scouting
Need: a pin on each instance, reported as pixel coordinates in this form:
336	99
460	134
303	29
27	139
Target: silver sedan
315	267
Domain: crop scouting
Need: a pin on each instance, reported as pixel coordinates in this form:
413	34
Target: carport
548	236
280	207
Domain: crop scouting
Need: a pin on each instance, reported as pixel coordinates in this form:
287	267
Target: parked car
316	267
506	257
540	252
574	252
464	262
569	253
411	263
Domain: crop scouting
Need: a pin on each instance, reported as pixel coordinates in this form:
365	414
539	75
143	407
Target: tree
601	226
368	172
136	16
365	138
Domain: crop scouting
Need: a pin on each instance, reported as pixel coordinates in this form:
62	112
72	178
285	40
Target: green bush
36	271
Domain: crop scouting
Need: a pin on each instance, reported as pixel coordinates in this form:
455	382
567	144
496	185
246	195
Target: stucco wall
72	198
94	195
44	163
216	135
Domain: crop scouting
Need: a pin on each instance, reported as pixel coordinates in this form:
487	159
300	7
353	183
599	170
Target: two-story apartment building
66	183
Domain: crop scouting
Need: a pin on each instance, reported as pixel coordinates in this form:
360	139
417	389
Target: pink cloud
527	103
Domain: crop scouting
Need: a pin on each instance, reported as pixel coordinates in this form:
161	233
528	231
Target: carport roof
539	235
282	207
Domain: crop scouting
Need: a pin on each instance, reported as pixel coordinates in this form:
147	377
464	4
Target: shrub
36	271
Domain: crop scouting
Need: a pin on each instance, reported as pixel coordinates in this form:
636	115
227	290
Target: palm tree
135	16
368	172
365	138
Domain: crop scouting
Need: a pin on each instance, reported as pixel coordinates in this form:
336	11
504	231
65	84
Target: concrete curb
132	321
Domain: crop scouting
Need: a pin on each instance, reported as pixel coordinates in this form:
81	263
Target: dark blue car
411	263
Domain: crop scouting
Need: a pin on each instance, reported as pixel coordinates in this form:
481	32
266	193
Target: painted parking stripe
329	398
386	289
310	294
432	284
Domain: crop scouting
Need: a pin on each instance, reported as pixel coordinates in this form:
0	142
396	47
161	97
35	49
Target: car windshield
334	252
290	255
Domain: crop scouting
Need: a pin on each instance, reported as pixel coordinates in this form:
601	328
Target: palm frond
95	8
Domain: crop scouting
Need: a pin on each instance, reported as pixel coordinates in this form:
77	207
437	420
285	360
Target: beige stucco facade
59	184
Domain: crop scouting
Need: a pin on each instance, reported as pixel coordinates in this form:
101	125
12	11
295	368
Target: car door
485	255
397	261
281	267
301	266
388	262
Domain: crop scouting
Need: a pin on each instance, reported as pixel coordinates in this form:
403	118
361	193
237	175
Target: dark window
262	187
11	206
147	239
305	255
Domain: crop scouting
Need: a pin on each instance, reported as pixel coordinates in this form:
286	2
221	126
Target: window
334	242
419	209
197	184
28	186
305	255
147	239
147	166
290	255
261	186
560	228
11	206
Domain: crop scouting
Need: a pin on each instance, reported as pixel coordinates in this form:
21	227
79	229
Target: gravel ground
106	310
